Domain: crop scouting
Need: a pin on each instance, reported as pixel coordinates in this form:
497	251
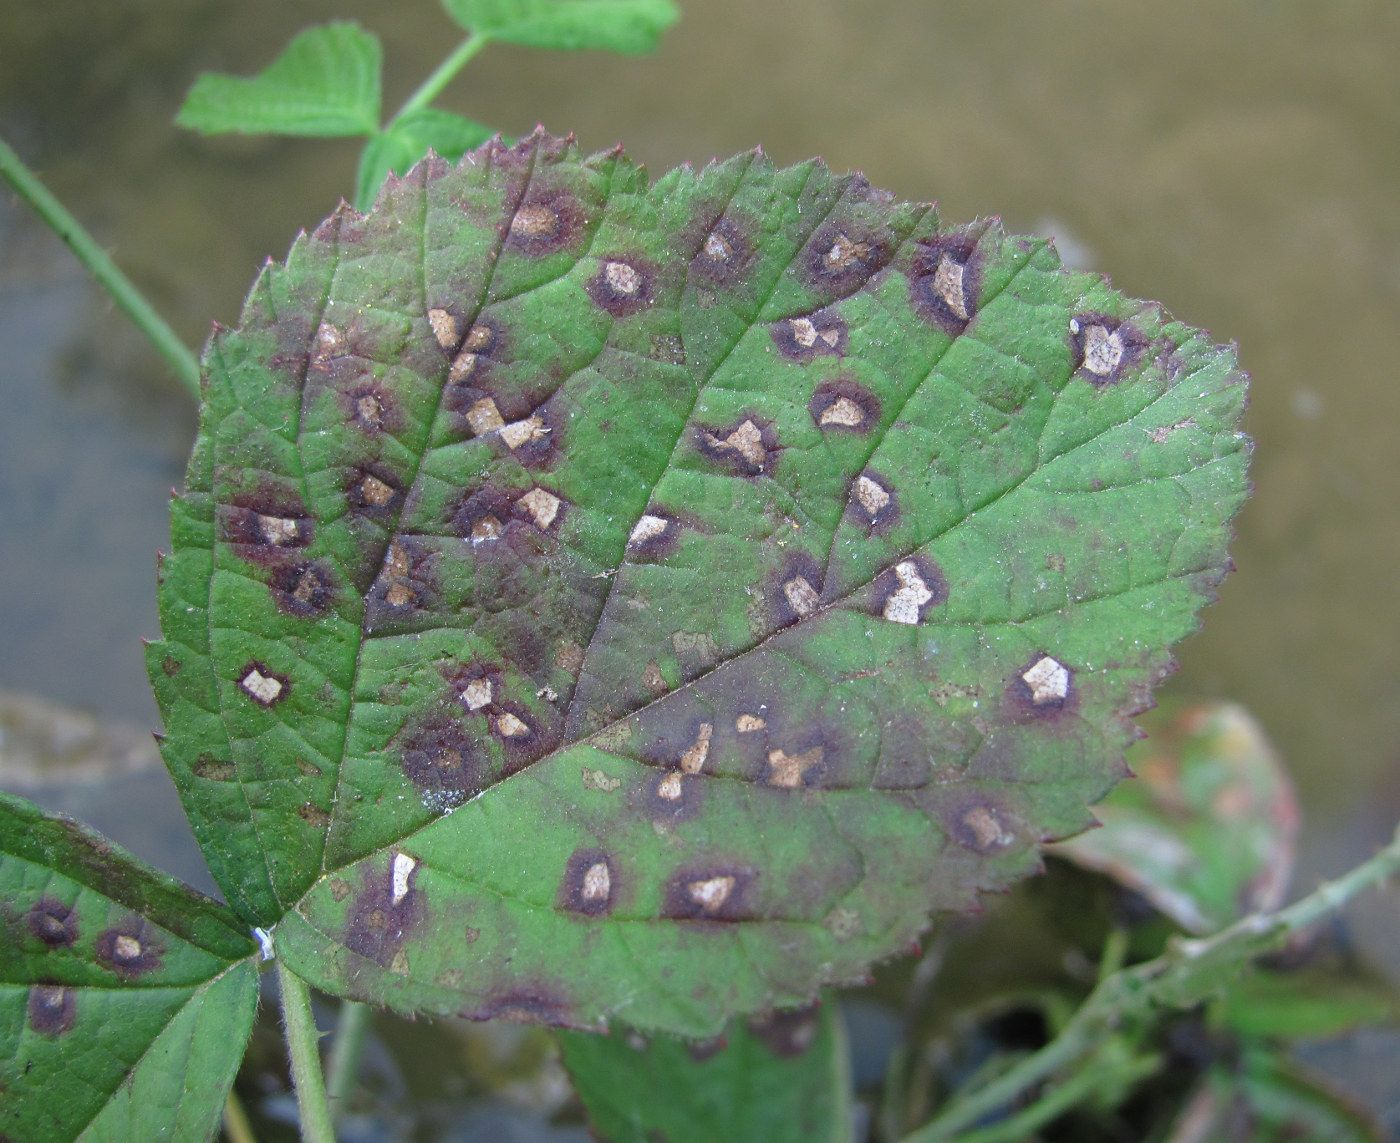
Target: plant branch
443	74
299	1026
27	185
1187	973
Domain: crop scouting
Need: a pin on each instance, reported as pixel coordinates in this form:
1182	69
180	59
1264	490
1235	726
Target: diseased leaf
125	997
1206	830
628	26
408	139
597	598
325	82
783	1079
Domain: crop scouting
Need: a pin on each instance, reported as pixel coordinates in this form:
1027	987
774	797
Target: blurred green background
1237	160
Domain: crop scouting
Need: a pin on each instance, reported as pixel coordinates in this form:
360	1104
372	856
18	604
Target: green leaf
407	139
125	997
325	82
593	598
629	26
783	1079
1302	1005
1206	831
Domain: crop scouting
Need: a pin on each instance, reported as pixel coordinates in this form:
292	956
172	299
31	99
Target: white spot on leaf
948	284
647	528
1102	350
266	689
748	723
444	328
543	506
843	411
126	949
622	278
398	885
477	694
523	432
597	882
746	440
786	770
511	727
801	596
670	786
912	593
693	760
712	893
1048	680
870	496
484	417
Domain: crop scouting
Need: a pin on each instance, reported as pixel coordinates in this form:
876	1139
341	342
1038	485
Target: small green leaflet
628	26
783	1079
407	139
594	598
125	997
325	82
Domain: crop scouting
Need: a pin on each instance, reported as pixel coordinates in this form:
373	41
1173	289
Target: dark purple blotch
52	1009
842	255
684	896
624	285
827	401
440	758
129	949
577	894
722	254
929	292
544	222
54	923
805	337
1131	344
753	449
304	589
377	924
888	583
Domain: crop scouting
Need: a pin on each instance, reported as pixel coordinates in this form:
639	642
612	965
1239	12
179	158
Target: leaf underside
125	998
599	598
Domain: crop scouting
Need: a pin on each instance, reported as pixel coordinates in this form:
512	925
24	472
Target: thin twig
118	286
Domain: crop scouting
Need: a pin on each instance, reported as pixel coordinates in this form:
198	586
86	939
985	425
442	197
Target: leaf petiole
442	75
299	1027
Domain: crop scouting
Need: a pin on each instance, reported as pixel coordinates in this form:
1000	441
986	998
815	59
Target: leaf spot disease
621	288
263	685
403	867
802	339
484	417
670	787
510	726
948	285
1103	349
749	723
523	432
543	506
693	760
873	500
746	441
711	893
589	885
1048	681
599	780
445	328
788	771
980	828
801	596
52	1009
906	604
126	953
477	694
647	529
54	923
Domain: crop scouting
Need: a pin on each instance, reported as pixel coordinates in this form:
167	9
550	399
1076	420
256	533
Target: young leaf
629	26
125	997
325	82
407	140
783	1079
1206	830
598	598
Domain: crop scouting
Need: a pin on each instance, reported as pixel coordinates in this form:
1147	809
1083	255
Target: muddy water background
1240	161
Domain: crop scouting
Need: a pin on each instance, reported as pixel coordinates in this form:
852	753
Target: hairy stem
299	1026
349	1040
443	74
27	185
1187	973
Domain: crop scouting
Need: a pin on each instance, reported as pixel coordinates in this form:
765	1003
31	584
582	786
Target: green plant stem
1187	973
443	74
299	1026
350	1030
1078	1088
27	185
237	1126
